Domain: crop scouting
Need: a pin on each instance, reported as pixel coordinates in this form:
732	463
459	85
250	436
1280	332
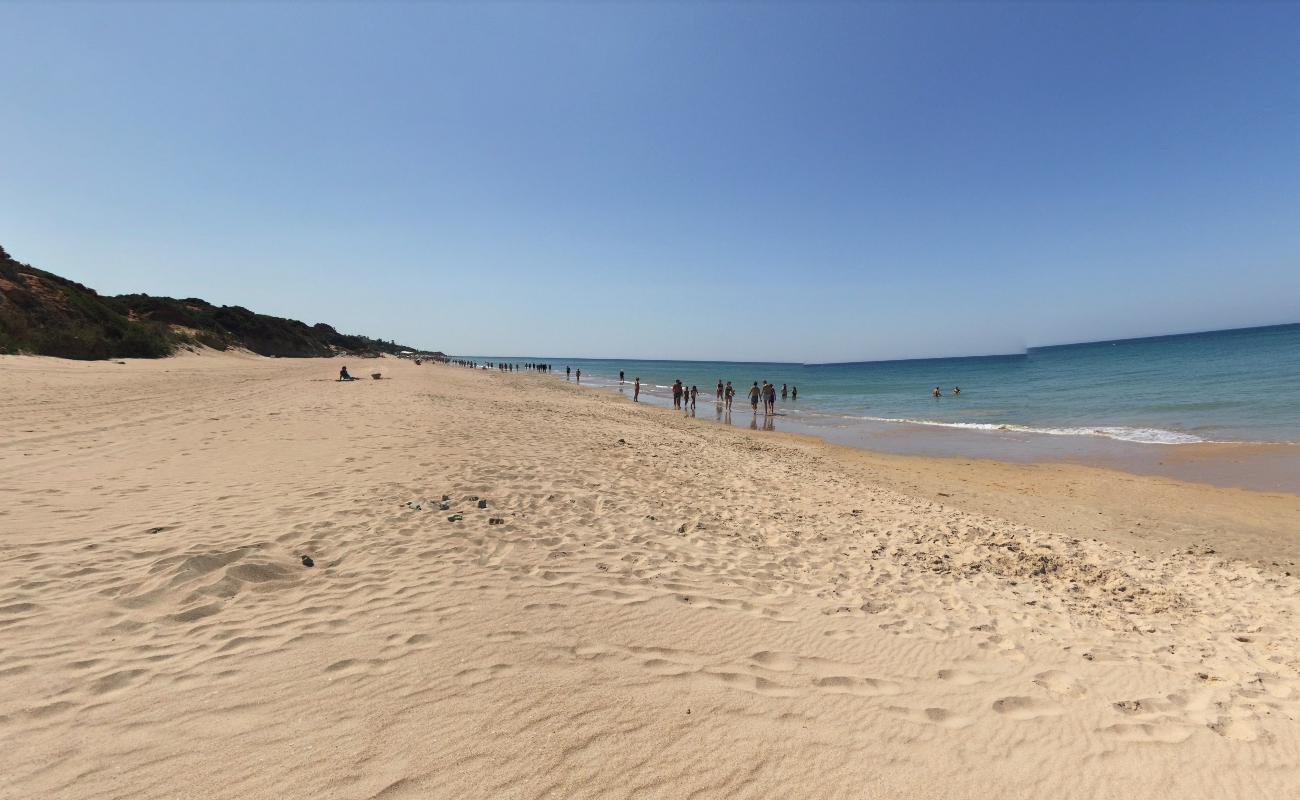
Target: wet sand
1267	467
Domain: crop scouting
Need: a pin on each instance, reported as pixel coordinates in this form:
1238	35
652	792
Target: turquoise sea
1223	386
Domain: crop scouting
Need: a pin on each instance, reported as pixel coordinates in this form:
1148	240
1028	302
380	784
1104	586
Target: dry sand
671	608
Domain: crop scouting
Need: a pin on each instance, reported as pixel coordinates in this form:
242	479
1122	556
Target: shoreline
1148	512
1256	466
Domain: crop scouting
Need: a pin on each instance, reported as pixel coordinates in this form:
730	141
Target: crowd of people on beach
684	397
500	366
506	366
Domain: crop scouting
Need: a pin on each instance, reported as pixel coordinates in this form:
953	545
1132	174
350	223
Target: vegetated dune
44	314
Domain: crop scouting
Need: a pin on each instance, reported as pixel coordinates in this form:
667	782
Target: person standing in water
677	393
937	393
729	394
769	396
578	376
794	392
567	372
783	392
695	391
719	389
754	392
636	390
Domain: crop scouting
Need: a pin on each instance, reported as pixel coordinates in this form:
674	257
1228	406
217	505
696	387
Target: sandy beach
669	608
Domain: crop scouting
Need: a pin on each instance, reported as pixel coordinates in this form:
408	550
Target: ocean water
1225	386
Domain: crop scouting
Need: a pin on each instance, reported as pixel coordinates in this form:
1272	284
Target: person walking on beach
769	397
636	390
719	389
695	391
753	397
677	393
729	394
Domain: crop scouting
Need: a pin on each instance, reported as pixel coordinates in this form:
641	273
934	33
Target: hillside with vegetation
44	314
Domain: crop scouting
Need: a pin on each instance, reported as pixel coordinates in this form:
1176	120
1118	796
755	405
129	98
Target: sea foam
1118	432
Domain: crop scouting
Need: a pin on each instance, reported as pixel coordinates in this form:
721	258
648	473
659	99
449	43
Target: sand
670	608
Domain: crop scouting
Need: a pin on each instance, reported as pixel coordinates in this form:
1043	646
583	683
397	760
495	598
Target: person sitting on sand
344	376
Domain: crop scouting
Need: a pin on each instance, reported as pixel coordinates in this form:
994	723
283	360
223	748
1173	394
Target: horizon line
1025	352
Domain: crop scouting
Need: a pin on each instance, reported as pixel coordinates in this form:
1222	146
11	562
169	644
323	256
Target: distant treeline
43	314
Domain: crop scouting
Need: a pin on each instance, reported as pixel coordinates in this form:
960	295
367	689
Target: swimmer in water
936	392
956	390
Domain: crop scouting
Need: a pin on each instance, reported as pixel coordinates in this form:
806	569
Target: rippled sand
669	608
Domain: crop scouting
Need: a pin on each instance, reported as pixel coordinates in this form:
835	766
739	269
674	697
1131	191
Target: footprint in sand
1241	730
962	677
747	683
941	717
1026	708
666	668
863	687
777	662
1059	683
1159	732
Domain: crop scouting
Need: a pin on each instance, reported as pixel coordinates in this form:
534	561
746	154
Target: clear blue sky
802	182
